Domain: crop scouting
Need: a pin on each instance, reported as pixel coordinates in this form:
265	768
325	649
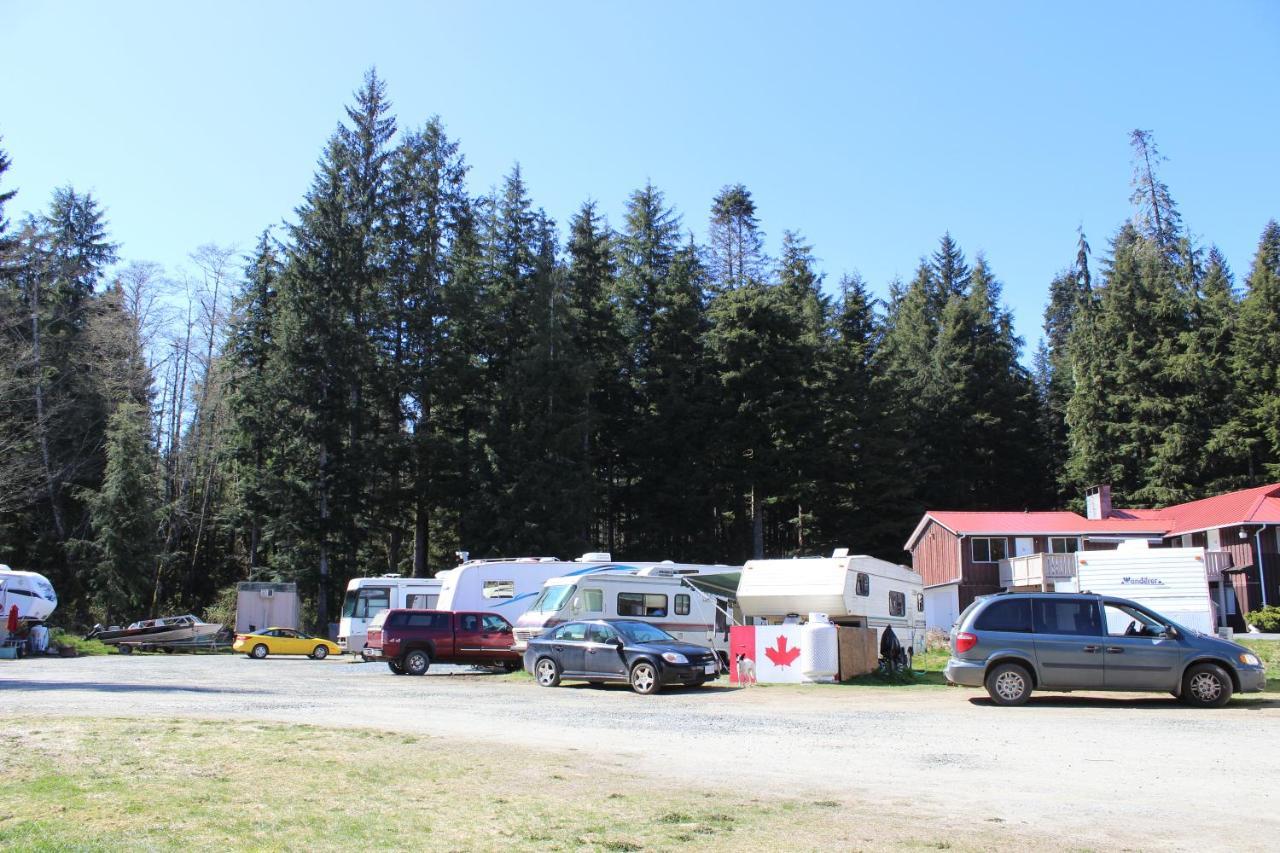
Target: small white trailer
1171	581
664	595
856	590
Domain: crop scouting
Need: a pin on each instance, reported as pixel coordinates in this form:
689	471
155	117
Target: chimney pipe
1097	501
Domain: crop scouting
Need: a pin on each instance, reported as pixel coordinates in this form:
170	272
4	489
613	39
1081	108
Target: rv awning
718	584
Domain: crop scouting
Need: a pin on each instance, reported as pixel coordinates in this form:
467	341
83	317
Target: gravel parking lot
1114	770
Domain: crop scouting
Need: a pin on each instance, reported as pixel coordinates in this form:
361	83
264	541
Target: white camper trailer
30	592
367	597
852	590
663	595
1170	581
510	586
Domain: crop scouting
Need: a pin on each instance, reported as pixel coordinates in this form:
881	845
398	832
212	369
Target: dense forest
409	368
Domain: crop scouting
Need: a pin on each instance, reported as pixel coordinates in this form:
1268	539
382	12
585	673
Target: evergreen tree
1069	293
123	518
736	242
5	196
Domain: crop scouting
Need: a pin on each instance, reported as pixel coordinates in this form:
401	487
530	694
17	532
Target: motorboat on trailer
171	631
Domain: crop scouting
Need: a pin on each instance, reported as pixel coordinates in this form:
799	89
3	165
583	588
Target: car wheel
259	652
644	678
395	667
547	672
1009	684
416	662
1206	685
320	653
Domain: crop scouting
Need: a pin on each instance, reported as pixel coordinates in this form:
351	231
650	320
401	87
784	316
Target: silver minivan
1013	643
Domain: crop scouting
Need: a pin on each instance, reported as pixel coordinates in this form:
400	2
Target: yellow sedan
284	641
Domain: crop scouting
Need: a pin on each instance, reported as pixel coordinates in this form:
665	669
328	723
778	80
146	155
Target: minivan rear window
1012	615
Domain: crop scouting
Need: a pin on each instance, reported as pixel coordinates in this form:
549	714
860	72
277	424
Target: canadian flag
775	649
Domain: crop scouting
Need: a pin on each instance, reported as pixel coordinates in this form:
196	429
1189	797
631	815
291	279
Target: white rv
1171	581
367	597
662	595
30	592
852	590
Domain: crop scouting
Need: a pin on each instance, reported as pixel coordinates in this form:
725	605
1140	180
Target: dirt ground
1081	771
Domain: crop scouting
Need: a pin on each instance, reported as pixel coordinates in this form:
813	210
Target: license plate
709	669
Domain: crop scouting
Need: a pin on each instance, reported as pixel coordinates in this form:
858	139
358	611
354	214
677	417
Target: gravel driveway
1101	770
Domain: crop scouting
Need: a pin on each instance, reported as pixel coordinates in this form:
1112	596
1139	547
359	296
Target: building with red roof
958	553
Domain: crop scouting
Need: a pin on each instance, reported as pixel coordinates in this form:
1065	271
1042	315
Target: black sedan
603	650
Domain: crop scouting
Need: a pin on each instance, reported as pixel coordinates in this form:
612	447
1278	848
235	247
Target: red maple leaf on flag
782	656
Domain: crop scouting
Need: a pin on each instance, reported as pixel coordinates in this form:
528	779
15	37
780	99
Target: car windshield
553	598
642	632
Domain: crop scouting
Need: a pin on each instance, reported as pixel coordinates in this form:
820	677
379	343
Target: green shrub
223	609
59	638
1267	619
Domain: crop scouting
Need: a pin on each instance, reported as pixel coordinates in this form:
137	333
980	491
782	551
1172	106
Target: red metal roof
1259	505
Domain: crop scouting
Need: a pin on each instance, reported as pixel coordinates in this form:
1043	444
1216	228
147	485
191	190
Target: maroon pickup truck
411	640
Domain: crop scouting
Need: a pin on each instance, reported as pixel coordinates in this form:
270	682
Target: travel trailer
367	597
662	595
30	592
856	590
1171	581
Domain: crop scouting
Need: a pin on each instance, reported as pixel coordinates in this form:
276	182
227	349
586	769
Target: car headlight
674	657
1249	660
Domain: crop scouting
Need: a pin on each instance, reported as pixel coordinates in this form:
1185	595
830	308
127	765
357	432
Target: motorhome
666	596
367	597
857	591
30	592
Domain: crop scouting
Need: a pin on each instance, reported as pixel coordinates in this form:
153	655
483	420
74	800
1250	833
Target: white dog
746	671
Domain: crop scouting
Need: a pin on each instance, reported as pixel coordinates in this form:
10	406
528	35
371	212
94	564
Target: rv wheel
259	652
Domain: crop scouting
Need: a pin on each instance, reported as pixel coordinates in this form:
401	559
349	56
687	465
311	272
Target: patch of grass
1268	651
117	784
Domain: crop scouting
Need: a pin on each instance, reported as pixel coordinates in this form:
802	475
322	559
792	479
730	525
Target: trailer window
593	600
366	602
990	550
919	602
864	584
499	589
897	604
682	605
418	601
641	604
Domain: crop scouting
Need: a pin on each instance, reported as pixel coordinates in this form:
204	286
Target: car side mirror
617	641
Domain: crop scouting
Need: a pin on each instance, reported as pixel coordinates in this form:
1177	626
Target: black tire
124	649
547	672
416	662
645	678
1207	685
259	652
395	667
1009	684
319	653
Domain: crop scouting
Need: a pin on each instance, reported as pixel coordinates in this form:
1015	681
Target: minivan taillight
965	641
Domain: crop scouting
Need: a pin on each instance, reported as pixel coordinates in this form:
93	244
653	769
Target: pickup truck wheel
546	672
1206	685
1009	684
644	678
395	667
259	652
416	662
319	653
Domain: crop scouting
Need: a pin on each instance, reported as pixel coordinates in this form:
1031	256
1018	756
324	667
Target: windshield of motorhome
367	602
553	598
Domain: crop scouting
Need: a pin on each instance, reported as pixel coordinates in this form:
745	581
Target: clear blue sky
870	129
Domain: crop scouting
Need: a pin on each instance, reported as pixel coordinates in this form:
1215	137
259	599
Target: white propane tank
819	649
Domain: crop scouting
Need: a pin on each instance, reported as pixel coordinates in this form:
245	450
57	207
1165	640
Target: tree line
408	369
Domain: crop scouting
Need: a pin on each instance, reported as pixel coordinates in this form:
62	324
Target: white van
857	590
367	597
661	595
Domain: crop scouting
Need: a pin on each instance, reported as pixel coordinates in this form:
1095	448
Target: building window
1063	544
864	584
682	605
990	550
499	589
897	604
